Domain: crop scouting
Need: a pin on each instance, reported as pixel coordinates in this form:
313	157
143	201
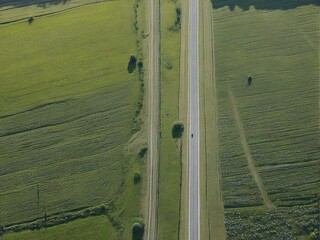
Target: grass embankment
276	44
67	112
170	163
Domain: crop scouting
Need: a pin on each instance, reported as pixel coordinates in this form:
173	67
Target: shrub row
50	221
177	24
138	121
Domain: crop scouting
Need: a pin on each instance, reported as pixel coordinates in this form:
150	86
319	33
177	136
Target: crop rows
66	114
275	44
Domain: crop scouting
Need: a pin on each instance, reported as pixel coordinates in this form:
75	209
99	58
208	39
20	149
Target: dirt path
247	152
153	117
213	209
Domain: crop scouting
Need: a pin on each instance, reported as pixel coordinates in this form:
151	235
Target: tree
30	20
137	231
177	129
132	63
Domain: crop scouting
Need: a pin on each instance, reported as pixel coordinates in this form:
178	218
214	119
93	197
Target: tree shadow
132	64
249	81
263	4
24	3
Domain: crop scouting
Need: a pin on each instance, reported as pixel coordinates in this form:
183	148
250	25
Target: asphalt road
194	154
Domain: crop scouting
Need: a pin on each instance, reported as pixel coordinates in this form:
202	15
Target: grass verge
212	210
170	159
183	116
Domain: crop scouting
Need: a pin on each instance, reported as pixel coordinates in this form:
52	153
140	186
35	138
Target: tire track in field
247	151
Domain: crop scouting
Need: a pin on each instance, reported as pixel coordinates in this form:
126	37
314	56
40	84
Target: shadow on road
263	4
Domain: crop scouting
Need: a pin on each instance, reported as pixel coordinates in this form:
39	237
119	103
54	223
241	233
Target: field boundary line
287	165
254	172
57	219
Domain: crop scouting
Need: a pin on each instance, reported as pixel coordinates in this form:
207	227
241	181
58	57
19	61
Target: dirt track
153	118
247	151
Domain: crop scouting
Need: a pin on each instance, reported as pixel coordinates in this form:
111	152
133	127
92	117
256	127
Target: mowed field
67	104
268	132
16	10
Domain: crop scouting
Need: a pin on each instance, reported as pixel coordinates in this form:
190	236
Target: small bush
30	20
143	151
177	129
168	65
103	209
177	24
140	66
136	178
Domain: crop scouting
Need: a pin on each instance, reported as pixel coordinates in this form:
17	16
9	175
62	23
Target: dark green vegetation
275	42
177	129
53	220
143	151
137	61
137	231
68	109
136	178
245	5
132	64
177	23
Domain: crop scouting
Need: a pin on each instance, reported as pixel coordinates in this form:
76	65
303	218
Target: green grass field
17	10
169	166
66	115
277	44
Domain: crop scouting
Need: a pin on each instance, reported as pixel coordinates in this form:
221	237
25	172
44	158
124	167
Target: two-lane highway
194	140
